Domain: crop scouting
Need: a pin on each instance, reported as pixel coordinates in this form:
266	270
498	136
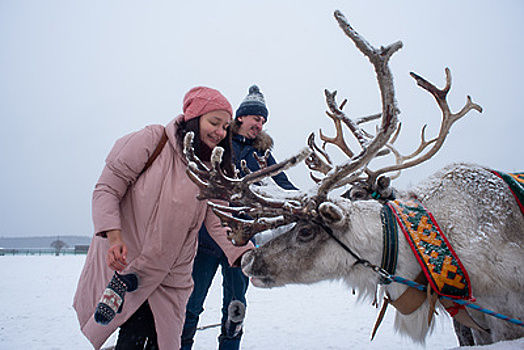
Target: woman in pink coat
147	224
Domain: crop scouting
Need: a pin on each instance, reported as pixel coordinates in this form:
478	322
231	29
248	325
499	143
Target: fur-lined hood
263	141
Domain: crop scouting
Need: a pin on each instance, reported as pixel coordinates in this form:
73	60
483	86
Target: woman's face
213	127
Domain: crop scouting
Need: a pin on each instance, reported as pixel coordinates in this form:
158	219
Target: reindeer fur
475	210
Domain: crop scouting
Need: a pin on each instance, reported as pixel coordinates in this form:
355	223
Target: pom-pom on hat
200	100
253	104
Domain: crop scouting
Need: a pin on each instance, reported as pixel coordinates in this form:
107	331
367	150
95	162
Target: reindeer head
305	253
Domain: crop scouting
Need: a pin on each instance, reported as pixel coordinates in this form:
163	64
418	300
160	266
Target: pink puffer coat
159	216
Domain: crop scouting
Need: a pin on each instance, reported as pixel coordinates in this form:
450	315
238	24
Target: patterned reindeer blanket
440	264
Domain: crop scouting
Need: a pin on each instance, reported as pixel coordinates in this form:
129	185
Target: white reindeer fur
476	212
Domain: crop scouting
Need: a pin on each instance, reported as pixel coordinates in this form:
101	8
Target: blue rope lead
458	301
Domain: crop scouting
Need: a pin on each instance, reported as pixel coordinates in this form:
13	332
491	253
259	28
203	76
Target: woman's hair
201	149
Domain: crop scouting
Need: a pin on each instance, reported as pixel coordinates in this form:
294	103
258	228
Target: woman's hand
117	253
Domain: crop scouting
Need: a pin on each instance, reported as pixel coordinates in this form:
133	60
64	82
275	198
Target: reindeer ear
383	182
384	187
331	213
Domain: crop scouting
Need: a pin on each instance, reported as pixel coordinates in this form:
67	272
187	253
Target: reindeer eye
358	195
306	234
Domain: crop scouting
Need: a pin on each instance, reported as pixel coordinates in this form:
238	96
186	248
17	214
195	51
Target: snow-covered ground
36	295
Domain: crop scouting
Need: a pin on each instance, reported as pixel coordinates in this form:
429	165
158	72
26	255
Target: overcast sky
77	75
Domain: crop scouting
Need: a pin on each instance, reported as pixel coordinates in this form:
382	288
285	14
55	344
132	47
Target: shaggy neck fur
365	238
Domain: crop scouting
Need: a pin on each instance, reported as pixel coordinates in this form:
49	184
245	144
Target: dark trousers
234	285
138	332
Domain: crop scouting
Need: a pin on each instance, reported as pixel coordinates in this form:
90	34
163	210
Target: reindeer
331	237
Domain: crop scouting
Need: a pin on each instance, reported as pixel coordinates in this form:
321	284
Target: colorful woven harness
515	183
440	264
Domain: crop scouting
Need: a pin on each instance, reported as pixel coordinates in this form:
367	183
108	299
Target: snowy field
36	313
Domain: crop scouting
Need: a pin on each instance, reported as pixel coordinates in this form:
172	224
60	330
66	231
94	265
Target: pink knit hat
200	100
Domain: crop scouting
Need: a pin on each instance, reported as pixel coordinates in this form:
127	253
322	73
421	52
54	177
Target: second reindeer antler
356	169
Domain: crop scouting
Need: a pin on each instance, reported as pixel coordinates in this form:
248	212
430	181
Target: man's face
251	125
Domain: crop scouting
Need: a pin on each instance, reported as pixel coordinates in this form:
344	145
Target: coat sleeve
280	179
123	165
219	234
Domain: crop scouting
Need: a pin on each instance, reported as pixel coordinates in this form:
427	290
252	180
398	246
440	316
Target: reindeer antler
383	142
253	209
448	119
370	147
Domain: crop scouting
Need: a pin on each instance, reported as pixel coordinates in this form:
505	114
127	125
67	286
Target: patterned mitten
236	312
113	298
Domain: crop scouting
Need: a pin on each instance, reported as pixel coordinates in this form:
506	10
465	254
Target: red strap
453	310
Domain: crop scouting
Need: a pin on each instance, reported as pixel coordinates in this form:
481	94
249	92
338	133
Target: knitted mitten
236	312
113	297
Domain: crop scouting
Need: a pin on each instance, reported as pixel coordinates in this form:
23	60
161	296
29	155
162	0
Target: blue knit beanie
253	104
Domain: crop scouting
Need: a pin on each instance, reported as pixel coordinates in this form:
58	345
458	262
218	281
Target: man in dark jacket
248	138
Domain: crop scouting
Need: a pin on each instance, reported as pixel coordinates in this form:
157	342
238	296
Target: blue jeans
234	286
